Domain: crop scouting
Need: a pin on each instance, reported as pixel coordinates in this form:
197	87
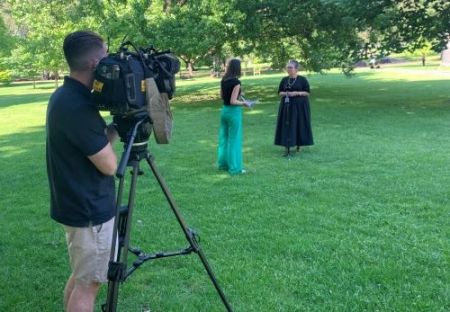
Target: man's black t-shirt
80	194
227	89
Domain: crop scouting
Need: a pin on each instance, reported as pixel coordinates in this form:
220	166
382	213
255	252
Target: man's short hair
79	47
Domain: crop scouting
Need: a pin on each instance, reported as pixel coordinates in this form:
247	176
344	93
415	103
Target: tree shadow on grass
25	99
22	146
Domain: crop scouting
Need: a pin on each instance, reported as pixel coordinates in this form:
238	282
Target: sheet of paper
248	103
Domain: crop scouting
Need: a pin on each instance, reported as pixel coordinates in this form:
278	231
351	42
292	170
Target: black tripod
118	270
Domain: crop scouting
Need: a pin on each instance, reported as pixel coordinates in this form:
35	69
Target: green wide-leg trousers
230	139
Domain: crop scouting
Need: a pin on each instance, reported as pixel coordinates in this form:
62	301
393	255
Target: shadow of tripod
118	270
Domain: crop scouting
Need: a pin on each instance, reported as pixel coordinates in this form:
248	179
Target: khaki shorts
89	251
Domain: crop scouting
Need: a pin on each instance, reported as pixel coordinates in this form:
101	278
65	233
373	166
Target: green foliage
403	25
319	33
6	43
322	34
44	25
195	31
5	77
24	62
425	50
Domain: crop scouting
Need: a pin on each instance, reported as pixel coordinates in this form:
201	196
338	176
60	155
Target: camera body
137	85
119	85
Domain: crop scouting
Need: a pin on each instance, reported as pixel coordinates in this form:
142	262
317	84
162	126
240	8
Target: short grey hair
295	63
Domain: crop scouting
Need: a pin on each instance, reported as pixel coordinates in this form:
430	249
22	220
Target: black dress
294	115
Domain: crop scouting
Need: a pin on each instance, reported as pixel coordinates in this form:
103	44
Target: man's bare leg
82	297
68	290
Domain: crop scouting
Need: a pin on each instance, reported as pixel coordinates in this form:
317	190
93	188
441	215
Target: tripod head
134	132
125	125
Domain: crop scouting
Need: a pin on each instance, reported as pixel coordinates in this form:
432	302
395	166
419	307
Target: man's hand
111	132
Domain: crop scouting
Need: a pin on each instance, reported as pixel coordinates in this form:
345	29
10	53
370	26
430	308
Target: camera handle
118	271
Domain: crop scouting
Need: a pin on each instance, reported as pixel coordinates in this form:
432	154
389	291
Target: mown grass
358	222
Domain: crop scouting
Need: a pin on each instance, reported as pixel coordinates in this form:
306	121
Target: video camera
134	85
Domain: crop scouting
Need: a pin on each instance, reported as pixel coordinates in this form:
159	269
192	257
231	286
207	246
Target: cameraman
81	165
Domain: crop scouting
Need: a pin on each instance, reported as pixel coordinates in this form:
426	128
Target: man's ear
93	64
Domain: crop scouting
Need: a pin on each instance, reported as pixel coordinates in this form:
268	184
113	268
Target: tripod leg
127	226
121	237
190	236
113	284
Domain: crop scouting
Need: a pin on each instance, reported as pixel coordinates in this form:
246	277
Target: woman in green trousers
230	133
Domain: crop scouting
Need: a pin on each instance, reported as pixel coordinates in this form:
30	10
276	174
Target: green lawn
358	222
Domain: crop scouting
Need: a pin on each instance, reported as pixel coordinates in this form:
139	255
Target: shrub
5	77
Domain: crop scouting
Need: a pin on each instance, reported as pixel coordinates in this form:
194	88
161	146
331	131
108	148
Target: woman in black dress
294	115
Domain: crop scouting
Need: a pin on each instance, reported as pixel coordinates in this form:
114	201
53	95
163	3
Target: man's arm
105	160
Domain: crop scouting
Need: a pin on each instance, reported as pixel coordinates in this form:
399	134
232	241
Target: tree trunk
445	60
190	68
56	74
423	59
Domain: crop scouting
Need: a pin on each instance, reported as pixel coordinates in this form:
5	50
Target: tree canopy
320	33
